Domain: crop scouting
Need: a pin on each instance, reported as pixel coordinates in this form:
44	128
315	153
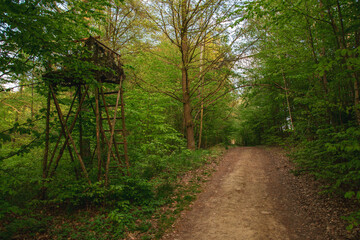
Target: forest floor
254	195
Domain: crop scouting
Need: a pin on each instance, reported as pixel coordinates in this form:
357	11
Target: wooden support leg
67	133
66	144
112	130
59	139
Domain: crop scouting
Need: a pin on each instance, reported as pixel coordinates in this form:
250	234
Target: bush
334	157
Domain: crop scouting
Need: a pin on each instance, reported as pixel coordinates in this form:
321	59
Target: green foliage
149	118
354	218
133	201
32	225
18	184
126	205
77	194
33	31
305	78
261	118
333	156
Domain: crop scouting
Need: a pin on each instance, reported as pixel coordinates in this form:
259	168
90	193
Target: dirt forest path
248	198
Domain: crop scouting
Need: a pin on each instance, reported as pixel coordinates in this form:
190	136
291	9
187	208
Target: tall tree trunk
356	83
189	125
324	81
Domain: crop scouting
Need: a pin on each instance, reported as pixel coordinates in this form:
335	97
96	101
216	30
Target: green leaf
349	194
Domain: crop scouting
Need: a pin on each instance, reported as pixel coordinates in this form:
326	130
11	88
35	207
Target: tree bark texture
189	125
185	82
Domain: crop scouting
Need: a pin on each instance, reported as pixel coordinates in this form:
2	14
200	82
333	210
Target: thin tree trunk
343	41
81	144
201	89
17	112
344	45
357	101
356	83
333	25
32	101
98	129
46	150
322	54
201	124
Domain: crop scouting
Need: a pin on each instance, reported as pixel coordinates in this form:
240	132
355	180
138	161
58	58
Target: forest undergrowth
140	206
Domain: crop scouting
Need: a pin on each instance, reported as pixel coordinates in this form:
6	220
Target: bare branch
157	89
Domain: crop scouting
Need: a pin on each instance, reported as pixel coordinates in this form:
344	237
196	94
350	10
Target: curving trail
245	199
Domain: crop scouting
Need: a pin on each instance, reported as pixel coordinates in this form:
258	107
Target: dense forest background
198	74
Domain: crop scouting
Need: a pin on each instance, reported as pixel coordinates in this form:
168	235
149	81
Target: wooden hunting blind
104	97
